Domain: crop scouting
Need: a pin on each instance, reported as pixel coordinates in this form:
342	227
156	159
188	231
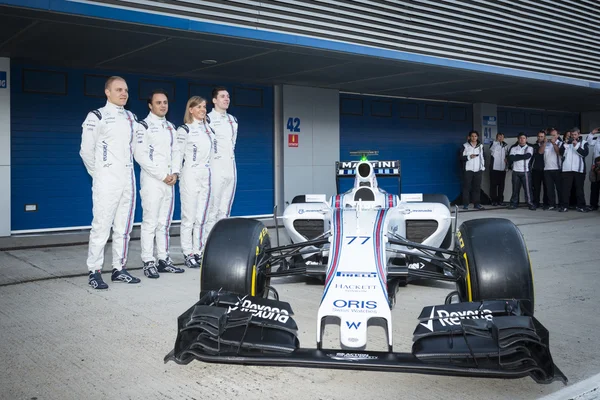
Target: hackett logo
2	79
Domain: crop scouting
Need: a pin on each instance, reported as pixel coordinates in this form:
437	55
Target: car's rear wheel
496	262
235	259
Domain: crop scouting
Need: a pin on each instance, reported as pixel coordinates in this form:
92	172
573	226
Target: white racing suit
157	153
107	148
224	172
195	142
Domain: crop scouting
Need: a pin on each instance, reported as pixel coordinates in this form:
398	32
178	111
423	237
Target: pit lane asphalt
59	339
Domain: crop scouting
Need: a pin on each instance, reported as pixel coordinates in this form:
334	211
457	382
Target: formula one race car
485	328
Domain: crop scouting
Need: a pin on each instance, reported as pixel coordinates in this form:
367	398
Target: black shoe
167	266
123	276
150	270
190	261
563	209
95	280
583	209
594	208
512	207
479	207
532	208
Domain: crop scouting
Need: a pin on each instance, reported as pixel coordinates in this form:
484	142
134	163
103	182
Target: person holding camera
574	152
519	155
552	168
474	166
594	141
498	169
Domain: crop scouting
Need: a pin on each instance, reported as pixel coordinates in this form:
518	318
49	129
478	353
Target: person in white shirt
498	151
157	154
550	148
574	152
195	139
519	155
474	160
594	141
222	158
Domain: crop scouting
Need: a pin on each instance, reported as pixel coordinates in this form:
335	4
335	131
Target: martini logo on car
453	318
261	311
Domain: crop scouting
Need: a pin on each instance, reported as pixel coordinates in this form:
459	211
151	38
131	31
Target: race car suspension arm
395	239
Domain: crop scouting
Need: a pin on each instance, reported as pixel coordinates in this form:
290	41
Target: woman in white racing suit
195	140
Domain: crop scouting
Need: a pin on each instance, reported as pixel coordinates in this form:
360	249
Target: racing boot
198	257
190	261
150	270
95	280
167	266
123	276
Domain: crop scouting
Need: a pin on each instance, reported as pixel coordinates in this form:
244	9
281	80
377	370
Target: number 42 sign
293	125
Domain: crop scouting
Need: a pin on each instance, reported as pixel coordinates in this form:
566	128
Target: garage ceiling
79	42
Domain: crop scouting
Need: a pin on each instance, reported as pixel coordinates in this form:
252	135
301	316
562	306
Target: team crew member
498	169
195	139
519	155
222	161
158	155
537	170
592	141
552	168
574	151
107	147
595	180
474	167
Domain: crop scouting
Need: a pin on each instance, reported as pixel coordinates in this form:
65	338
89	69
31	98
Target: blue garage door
512	121
48	106
424	136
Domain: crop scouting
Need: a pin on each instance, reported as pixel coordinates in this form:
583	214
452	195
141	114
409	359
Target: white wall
309	168
4	147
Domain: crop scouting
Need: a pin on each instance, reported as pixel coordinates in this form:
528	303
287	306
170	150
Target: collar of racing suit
112	105
156	117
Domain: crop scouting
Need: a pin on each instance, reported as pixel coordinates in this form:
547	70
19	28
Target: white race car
485	327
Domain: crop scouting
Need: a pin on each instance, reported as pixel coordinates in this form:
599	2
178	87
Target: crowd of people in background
551	172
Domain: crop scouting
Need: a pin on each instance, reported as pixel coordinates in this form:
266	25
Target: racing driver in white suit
195	140
224	173
157	153
107	150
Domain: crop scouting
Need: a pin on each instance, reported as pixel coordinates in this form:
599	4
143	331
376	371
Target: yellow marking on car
469	292
253	288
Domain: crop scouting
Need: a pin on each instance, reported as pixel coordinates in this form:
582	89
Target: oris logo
356	304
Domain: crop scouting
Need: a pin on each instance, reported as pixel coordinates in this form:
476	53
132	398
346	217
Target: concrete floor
59	339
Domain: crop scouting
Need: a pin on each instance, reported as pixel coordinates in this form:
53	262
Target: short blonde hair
192	102
110	80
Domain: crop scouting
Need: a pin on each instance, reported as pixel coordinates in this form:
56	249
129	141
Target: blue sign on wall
3	83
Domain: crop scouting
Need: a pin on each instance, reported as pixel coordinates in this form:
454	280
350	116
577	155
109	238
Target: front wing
494	339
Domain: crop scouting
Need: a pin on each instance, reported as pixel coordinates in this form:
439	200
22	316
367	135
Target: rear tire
495	257
233	255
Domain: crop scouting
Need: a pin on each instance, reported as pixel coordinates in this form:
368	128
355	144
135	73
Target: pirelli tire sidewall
233	254
495	257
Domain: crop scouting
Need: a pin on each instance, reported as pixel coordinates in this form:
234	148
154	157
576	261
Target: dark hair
521	134
473	131
157	91
499	133
216	90
597	159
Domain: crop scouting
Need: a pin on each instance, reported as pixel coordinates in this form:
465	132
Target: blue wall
48	106
512	121
424	136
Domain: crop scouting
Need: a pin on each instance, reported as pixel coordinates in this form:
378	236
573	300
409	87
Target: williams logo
353	325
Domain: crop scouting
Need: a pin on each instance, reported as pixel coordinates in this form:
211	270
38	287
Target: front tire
495	257
234	258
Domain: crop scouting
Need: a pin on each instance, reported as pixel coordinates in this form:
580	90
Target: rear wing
347	169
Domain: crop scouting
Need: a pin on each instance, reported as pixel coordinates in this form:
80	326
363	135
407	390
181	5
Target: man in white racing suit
157	153
195	141
224	172
107	148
